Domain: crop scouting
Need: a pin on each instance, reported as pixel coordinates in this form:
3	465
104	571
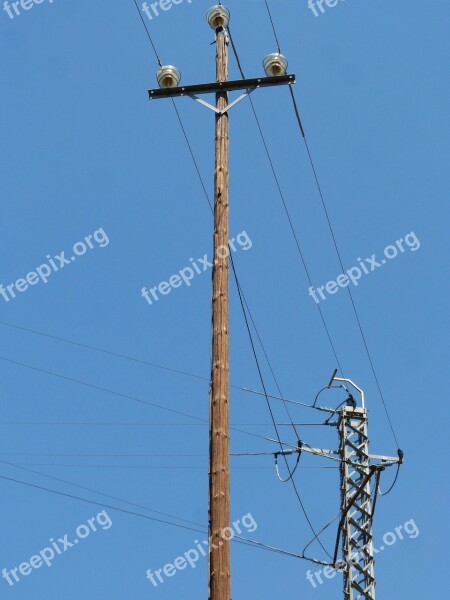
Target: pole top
218	16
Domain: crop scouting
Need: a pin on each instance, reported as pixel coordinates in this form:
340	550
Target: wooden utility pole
169	78
219	468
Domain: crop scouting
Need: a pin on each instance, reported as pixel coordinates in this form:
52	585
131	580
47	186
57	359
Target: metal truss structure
358	469
356	505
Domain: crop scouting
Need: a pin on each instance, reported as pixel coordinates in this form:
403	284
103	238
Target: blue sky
84	150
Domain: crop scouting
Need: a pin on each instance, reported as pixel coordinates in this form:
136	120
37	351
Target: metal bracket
221	86
227	108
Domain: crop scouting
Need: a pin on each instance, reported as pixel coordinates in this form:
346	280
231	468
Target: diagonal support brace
227	108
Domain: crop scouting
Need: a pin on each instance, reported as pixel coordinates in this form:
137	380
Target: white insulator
168	77
275	65
218	16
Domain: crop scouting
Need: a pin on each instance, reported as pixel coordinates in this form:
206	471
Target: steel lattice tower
356	527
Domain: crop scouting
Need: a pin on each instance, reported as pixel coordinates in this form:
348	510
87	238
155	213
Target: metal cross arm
193	91
392	460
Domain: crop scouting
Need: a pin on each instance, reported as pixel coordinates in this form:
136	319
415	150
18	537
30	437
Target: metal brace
226	109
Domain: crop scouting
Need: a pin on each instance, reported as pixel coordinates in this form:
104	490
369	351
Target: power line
238	539
319	408
114	455
273	26
283	200
132	398
321	531
105	424
122	510
82	487
194	160
273	418
158	468
103	351
392	486
139	400
243	540
136	360
244	307
102	389
330	226
270	368
272	454
338	253
87	455
148	33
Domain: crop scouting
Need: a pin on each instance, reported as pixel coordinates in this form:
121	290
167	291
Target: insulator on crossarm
218	16
168	77
275	65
